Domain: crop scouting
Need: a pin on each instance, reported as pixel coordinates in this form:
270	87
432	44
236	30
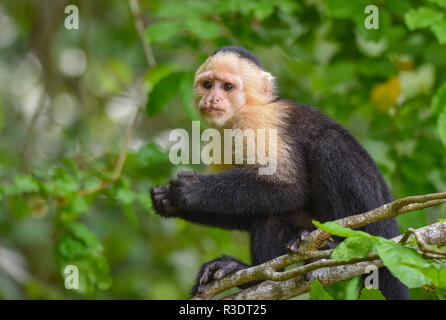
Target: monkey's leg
294	244
216	269
293	247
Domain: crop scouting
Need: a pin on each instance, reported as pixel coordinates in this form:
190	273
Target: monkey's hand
215	270
293	245
184	190
170	200
161	201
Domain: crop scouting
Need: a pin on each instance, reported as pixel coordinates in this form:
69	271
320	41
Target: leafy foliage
404	262
371	294
317	292
67	97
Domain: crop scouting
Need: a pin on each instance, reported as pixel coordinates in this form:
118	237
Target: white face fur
219	96
225	83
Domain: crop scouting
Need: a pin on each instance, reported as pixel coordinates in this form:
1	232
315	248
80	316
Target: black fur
242	53
337	178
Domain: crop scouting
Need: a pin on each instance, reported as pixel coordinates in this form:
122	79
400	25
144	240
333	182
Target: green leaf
354	247
336	229
422	17
145	201
157	73
163	31
79	246
371	294
439	29
382	68
162	93
339	72
202	28
76	205
441	3
394	255
288	6
345	290
400	6
186	90
70	247
436	272
345	8
264	9
25	184
19	207
352	288
149	155
62	184
189	9
317	292
91	183
82	233
126	196
441	126
439	100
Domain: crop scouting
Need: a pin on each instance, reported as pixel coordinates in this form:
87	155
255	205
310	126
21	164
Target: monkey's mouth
212	111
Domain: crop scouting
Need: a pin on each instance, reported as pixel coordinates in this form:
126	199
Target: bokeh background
68	97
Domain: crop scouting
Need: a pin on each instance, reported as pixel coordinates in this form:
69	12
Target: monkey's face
226	83
219	95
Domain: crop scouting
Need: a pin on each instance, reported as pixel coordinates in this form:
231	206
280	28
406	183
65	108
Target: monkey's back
343	178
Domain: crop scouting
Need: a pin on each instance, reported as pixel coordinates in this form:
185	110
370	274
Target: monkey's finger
304	235
293	246
204	277
168	208
208	271
186	174
175	182
201	289
160	189
159	196
225	270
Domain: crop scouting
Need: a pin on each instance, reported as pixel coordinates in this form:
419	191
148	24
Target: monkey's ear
268	85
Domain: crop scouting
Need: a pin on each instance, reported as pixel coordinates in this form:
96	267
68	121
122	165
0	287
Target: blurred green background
67	98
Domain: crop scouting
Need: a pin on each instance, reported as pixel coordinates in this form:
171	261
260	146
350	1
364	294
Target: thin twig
139	25
433	252
40	107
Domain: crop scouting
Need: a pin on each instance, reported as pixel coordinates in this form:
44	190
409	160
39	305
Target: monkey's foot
215	270
293	245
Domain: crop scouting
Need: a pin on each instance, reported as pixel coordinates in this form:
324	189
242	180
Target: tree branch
139	25
295	285
433	234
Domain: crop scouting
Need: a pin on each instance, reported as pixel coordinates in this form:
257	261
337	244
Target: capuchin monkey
322	172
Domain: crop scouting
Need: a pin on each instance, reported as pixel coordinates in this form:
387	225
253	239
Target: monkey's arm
236	193
163	206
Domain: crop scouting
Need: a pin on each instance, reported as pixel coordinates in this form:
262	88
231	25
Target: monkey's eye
207	84
228	86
